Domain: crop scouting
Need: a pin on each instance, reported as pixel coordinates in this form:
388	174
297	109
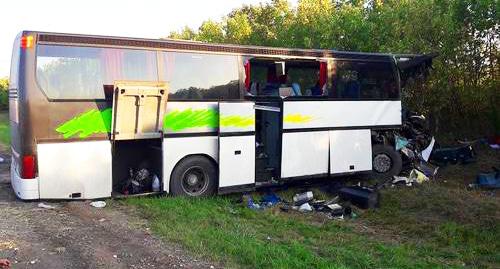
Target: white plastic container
156	183
302	198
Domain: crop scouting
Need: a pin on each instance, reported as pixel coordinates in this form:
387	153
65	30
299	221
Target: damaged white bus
95	116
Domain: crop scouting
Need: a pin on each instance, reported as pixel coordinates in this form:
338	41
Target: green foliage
461	94
4	128
4	93
211	31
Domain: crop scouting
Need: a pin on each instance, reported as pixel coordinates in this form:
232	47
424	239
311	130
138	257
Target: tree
462	93
210	31
4	93
238	29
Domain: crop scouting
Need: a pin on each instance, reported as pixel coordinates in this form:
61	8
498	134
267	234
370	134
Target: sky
129	18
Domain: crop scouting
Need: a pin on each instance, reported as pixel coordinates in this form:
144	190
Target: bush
4	94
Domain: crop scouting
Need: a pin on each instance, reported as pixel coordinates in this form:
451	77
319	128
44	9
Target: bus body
220	118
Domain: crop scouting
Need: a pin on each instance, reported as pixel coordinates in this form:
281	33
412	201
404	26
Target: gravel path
76	235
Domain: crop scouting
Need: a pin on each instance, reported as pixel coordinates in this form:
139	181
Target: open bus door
236	146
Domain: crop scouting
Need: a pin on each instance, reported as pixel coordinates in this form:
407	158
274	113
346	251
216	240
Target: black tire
194	176
381	154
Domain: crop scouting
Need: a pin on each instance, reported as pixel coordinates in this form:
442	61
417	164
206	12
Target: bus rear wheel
386	161
194	176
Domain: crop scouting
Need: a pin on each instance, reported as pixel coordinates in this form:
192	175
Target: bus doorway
268	141
136	135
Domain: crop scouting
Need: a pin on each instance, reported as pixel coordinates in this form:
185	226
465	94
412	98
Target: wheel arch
207	156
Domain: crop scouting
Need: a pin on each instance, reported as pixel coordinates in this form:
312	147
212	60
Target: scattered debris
249	202
306	207
400	142
270	199
487	180
400	180
302	202
302	198
360	196
417	176
60	250
98	204
426	153
337	210
426	168
461	154
46	206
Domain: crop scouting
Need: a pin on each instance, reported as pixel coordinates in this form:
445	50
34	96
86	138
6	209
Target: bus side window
364	80
301	78
67	72
198	76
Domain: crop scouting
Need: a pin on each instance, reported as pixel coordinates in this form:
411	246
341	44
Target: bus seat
296	89
353	89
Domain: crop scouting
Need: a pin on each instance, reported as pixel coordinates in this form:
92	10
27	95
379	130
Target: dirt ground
76	235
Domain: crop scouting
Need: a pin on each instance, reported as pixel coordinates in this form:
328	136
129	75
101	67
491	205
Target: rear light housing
28	168
27	41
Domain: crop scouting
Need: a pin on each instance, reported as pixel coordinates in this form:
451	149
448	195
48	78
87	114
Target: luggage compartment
136	163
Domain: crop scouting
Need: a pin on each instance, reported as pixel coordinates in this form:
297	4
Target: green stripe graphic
98	122
91	122
191	118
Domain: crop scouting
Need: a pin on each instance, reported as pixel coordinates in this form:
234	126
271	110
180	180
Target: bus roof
175	44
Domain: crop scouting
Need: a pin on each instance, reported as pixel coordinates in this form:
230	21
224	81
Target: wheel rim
382	163
194	181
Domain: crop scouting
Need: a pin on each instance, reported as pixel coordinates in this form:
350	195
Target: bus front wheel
386	161
194	176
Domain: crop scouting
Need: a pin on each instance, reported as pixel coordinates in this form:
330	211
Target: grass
4	128
437	224
238	236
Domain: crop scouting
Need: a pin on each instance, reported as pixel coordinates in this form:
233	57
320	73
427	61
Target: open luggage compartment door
138	109
236	146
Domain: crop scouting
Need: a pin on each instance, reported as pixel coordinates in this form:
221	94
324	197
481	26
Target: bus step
267	183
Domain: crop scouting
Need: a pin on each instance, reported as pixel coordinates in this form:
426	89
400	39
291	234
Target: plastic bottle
156	183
